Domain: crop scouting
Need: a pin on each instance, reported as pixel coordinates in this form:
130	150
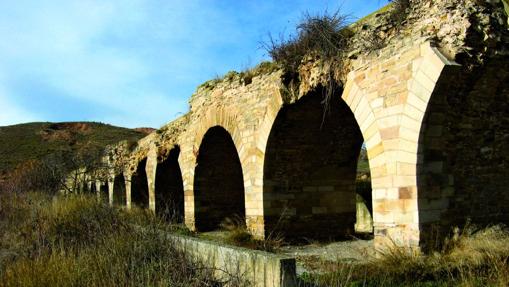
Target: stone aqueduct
435	126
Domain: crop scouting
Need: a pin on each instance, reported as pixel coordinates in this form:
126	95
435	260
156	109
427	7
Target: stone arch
388	97
228	120
169	188
310	169
119	188
233	123
218	181
462	173
139	185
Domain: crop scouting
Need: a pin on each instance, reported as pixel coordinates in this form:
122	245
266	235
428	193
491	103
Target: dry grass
471	257
238	235
325	35
76	241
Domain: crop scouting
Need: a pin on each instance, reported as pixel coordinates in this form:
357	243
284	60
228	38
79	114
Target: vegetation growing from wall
325	35
329	38
244	77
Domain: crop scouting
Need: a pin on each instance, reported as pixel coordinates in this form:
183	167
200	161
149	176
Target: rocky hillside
32	141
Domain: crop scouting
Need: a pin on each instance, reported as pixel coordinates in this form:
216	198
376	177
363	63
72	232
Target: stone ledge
260	268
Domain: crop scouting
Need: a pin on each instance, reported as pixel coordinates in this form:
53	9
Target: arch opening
310	170
119	197
139	186
363	195
462	173
169	188
218	181
103	193
92	187
84	188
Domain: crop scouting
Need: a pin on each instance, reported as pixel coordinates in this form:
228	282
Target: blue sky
133	63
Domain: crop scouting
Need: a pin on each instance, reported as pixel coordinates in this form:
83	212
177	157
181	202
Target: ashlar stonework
430	105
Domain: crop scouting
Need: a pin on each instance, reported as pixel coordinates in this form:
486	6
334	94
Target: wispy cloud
130	62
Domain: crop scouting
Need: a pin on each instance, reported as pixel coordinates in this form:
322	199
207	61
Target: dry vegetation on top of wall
467	31
244	77
325	36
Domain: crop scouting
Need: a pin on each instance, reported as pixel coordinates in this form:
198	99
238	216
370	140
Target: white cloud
136	60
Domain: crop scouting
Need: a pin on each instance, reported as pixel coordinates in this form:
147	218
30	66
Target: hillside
32	141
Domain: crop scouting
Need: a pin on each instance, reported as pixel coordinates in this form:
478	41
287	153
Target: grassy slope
32	141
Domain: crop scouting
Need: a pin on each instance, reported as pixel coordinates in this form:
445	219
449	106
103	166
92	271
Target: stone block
407	169
403	180
389	133
370	131
379	193
389	121
259	268
409	135
382	182
406	192
424	80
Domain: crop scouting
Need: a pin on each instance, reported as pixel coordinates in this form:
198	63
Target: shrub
325	35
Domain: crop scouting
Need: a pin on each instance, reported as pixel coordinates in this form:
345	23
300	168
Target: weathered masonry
431	106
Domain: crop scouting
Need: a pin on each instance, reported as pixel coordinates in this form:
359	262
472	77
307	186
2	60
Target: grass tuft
238	235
